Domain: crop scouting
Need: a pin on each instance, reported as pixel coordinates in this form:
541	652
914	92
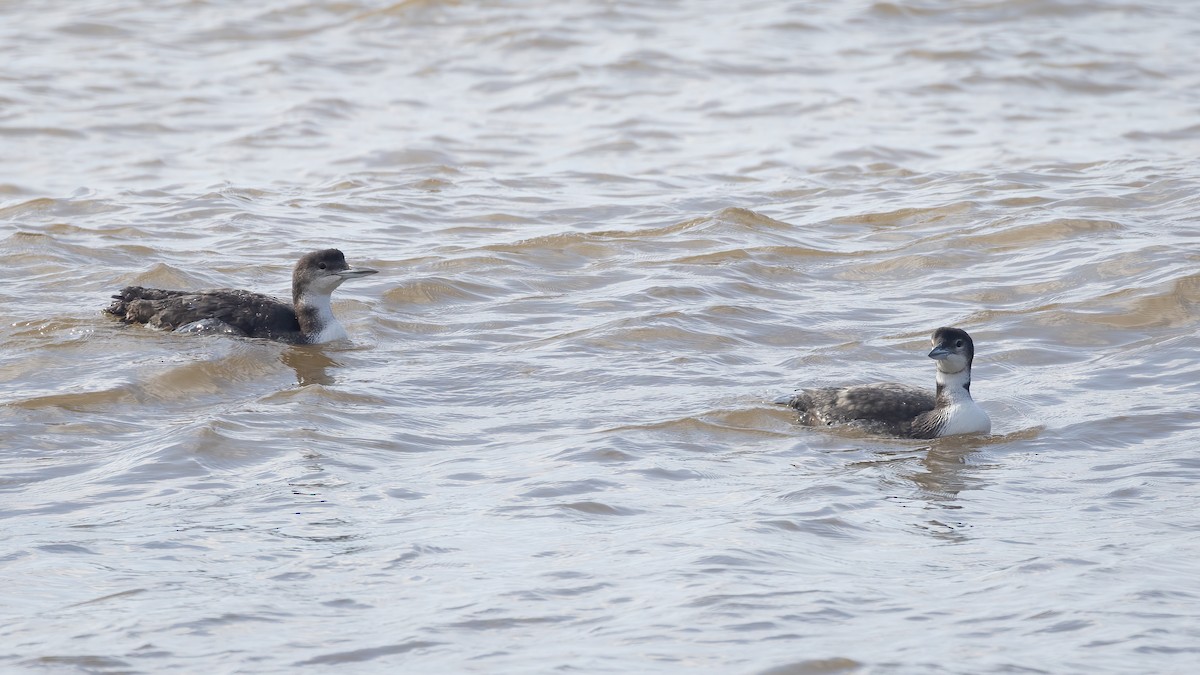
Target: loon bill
308	319
895	409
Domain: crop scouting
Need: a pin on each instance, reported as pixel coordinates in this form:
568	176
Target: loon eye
322	266
958	343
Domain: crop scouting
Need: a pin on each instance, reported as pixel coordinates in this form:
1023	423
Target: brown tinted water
608	235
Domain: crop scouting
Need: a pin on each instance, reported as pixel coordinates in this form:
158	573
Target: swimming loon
308	319
900	410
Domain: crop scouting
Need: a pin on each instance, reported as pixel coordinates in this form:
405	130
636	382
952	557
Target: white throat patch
328	327
963	415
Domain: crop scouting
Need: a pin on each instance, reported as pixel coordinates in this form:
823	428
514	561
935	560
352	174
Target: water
608	235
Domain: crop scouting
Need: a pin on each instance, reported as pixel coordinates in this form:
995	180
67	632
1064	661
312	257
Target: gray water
609	234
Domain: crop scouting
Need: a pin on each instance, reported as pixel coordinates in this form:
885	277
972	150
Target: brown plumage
885	408
245	313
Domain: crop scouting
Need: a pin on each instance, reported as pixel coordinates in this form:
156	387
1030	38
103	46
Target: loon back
884	408
241	312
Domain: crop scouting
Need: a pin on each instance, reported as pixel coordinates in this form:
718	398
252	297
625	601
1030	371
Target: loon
900	410
308	319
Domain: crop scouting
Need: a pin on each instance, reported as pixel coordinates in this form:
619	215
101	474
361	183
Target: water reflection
950	466
943	472
310	363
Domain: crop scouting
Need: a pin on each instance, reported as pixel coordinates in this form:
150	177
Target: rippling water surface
608	235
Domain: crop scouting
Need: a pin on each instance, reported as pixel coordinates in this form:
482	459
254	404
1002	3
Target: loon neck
314	311
956	412
953	387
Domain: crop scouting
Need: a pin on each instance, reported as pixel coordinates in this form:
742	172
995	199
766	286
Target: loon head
320	273
953	350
